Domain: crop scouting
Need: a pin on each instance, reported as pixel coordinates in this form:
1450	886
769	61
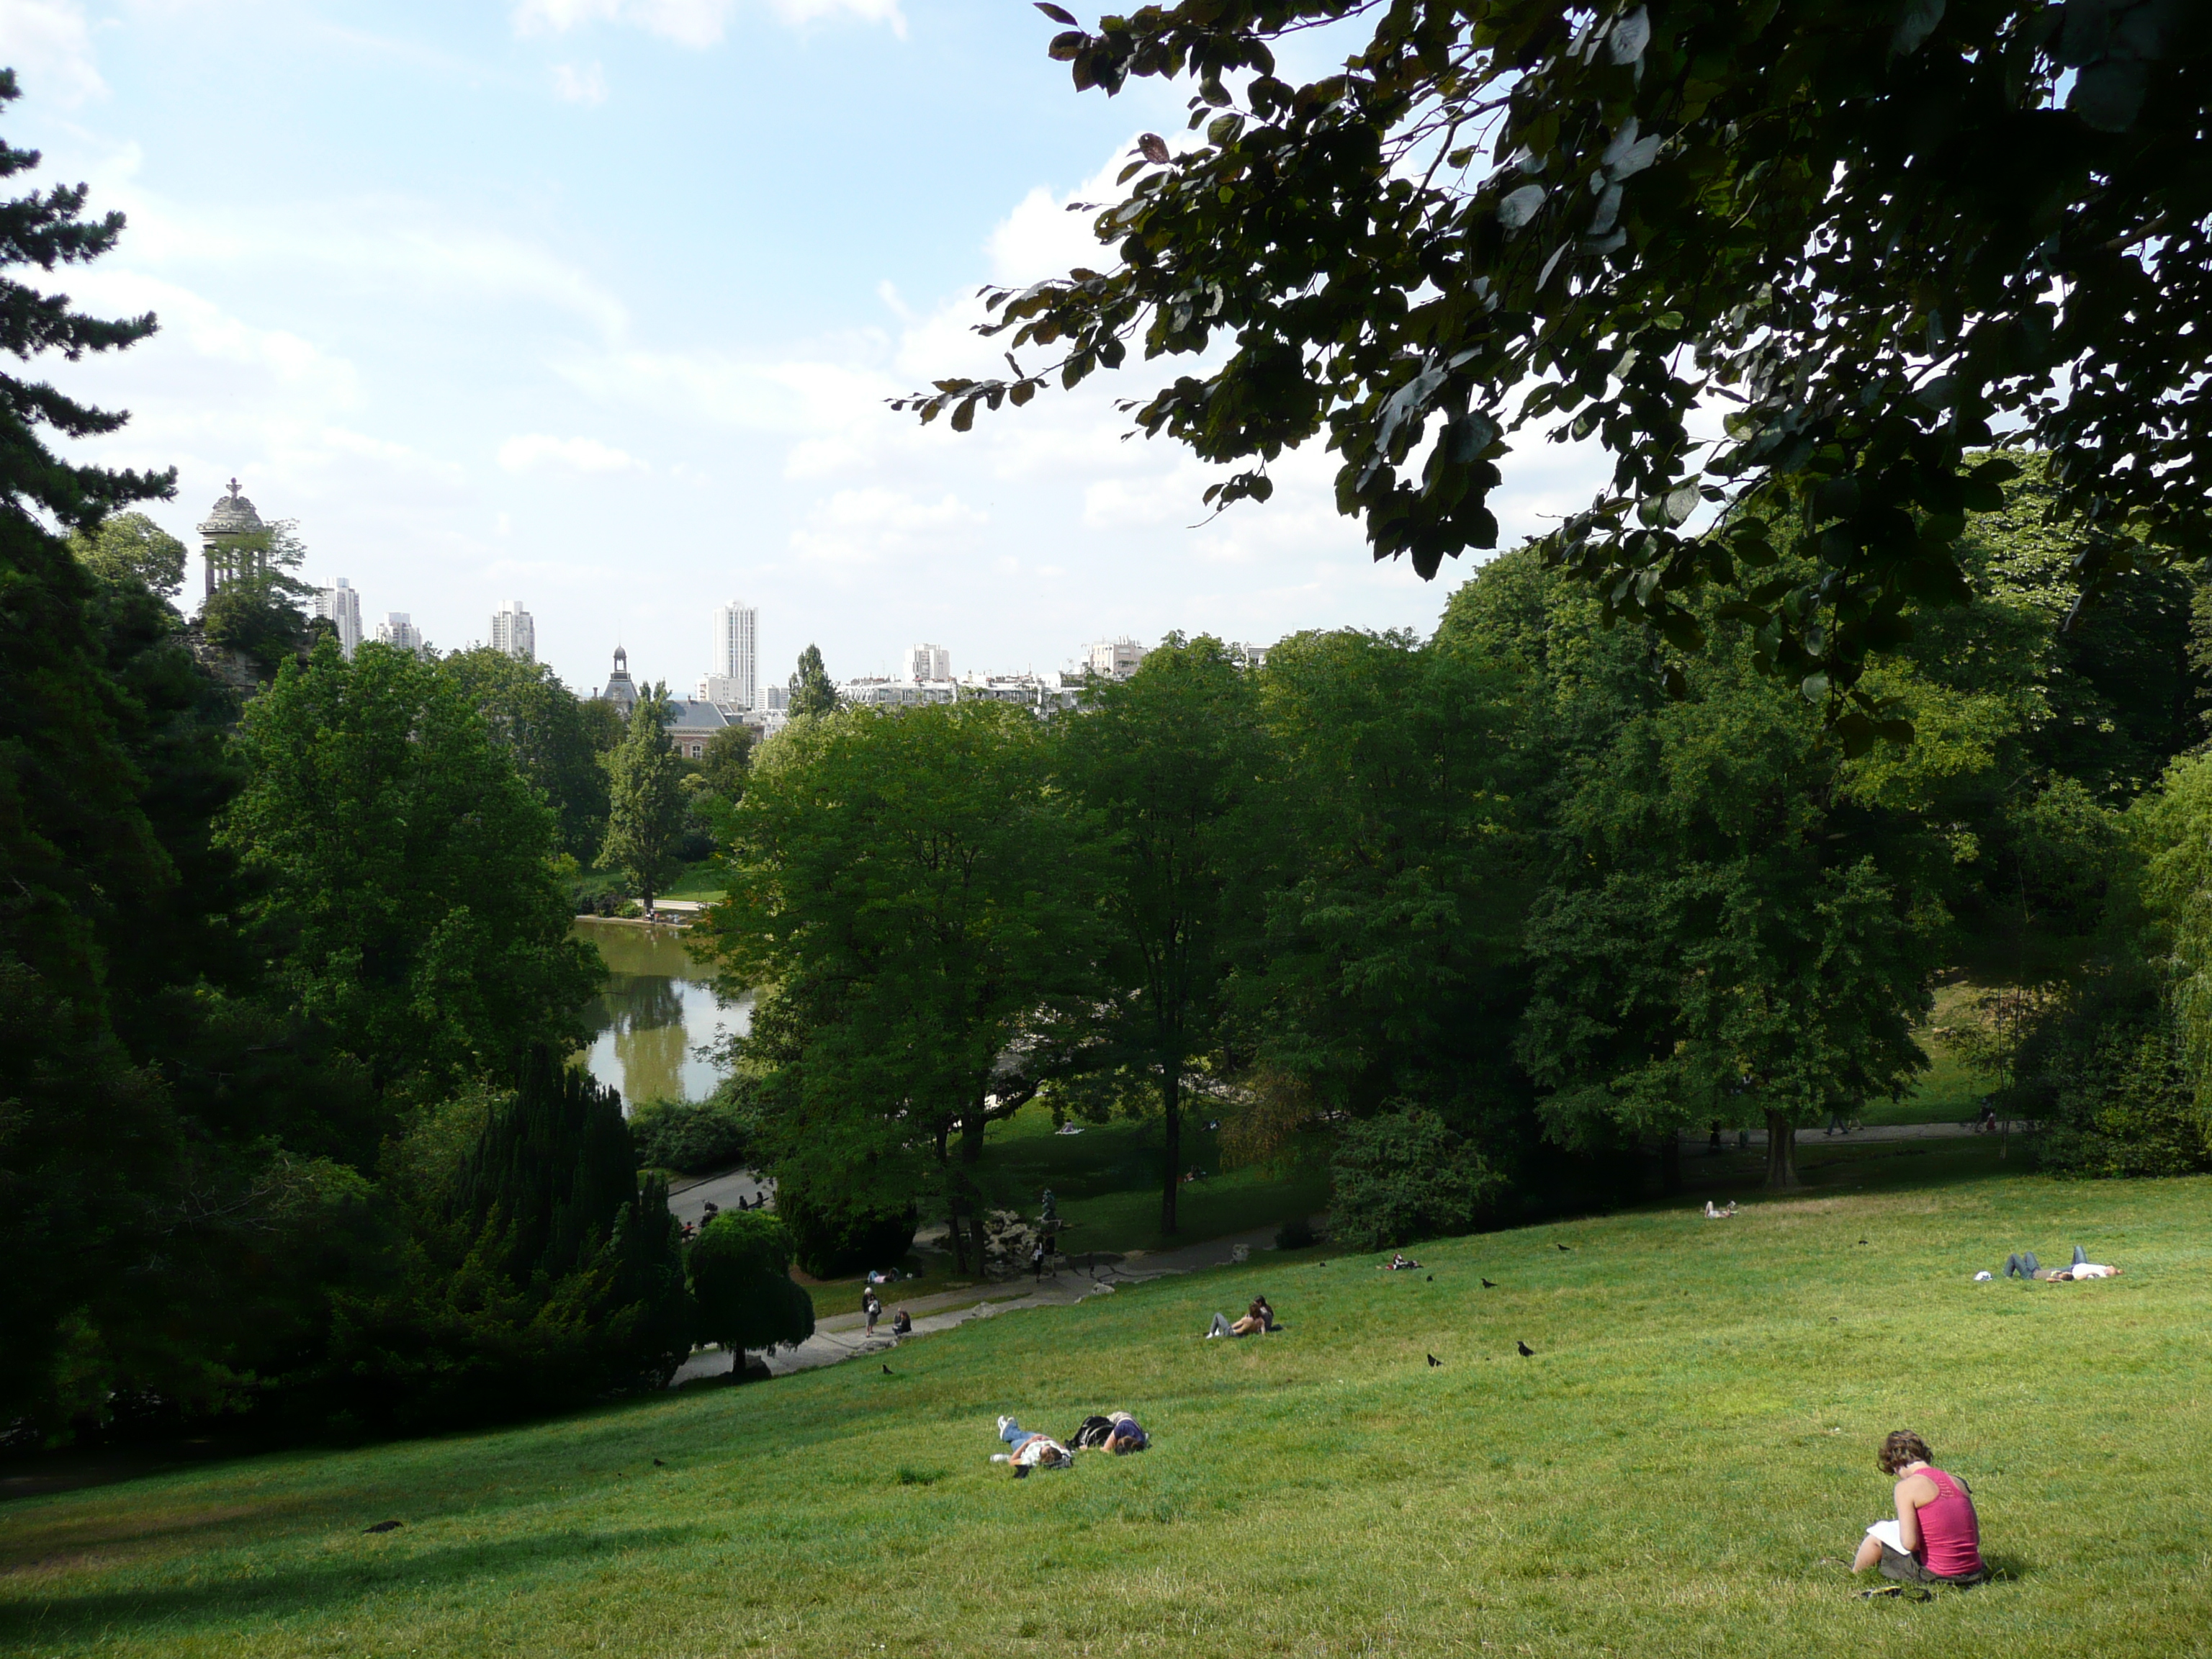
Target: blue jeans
1013	1434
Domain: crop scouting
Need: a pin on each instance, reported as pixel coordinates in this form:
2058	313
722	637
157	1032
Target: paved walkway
843	1336
688	1199
1697	1139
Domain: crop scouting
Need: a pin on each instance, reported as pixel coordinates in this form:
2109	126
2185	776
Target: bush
740	1272
691	1135
832	1241
2125	1108
1407	1175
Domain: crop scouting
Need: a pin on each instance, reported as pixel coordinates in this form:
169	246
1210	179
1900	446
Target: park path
1696	1139
840	1337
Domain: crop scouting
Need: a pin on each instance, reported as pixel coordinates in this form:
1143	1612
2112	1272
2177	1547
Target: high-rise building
733	683
342	605
1114	660
398	629
928	662
514	632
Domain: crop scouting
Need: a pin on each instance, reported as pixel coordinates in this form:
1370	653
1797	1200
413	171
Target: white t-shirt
2091	1270
1041	1449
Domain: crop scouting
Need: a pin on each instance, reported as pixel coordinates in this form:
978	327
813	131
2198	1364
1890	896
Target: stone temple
233	541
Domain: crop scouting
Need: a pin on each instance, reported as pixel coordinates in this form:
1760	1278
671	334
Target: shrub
1406	1175
2125	1108
691	1135
832	1240
740	1271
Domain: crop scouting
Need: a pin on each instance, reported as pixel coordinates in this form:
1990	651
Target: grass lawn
1948	1092
1676	1471
707	880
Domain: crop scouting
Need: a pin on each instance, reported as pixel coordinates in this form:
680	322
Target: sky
596	305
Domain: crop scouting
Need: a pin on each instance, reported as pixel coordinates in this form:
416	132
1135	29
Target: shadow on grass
377	1566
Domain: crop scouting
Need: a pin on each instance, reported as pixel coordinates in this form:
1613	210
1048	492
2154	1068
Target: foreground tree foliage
1874	234
543	725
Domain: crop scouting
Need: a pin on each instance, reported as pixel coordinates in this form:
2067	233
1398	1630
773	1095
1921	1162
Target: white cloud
694	23
48	44
587	86
530	450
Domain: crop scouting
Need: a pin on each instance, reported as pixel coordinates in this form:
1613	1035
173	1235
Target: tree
90	1146
729	753
1170	763
740	1267
541	724
48	230
411	904
900	886
811	693
1736	924
1880	233
131	546
645	800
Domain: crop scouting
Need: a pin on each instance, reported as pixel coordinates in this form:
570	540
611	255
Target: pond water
657	1010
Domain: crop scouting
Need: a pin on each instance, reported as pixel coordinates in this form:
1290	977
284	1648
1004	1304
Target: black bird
383	1526
1433	1360
1862	1241
658	1464
887	1370
1527	1352
1432	1278
1562	1247
1488	1285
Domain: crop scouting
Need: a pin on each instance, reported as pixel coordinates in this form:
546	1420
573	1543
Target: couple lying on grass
1117	1433
2022	1264
1936	1538
1259	1319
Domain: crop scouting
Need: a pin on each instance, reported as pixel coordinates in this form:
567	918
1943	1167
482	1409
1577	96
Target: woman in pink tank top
1936	1538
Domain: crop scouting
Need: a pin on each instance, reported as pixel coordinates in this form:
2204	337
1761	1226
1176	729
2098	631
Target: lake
657	1010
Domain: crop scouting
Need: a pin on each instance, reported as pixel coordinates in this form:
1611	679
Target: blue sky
594	304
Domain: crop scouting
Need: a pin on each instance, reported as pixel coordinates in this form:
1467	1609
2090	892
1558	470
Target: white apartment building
1112	659
733	683
342	605
514	632
398	629
928	662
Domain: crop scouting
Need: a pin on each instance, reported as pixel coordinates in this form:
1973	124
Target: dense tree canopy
544	726
1798	259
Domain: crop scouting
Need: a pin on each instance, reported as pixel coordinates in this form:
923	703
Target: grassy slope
1665	1477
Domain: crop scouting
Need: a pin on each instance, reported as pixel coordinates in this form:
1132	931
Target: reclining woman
1117	1433
1027	1451
1259	1317
1936	1538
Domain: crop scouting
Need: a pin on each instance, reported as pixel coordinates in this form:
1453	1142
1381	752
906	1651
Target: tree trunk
1171	1139
1670	1162
1781	1152
971	1132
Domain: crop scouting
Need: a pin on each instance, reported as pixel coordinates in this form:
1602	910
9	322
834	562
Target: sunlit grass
1675	1472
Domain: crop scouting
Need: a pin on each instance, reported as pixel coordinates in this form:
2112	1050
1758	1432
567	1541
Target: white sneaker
998	1458
1002	1424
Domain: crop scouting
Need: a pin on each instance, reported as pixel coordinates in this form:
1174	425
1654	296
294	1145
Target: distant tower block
928	662
342	605
734	680
514	631
233	541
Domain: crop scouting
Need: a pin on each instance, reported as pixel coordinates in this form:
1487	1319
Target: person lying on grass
1028	1451
2022	1264
1257	1318
1398	1264
1117	1433
1936	1538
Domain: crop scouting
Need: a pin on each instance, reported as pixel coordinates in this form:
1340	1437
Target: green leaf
1059	14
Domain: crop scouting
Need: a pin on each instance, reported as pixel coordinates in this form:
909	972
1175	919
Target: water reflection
658	1007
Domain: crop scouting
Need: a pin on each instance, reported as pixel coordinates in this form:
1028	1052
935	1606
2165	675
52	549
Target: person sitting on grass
1258	1318
901	1323
1936	1538
1026	1452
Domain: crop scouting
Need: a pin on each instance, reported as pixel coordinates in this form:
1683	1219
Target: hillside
1675	1471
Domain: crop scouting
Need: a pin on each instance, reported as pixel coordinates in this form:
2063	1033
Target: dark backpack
1095	1432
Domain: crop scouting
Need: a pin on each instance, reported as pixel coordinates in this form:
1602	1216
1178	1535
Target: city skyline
477	303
